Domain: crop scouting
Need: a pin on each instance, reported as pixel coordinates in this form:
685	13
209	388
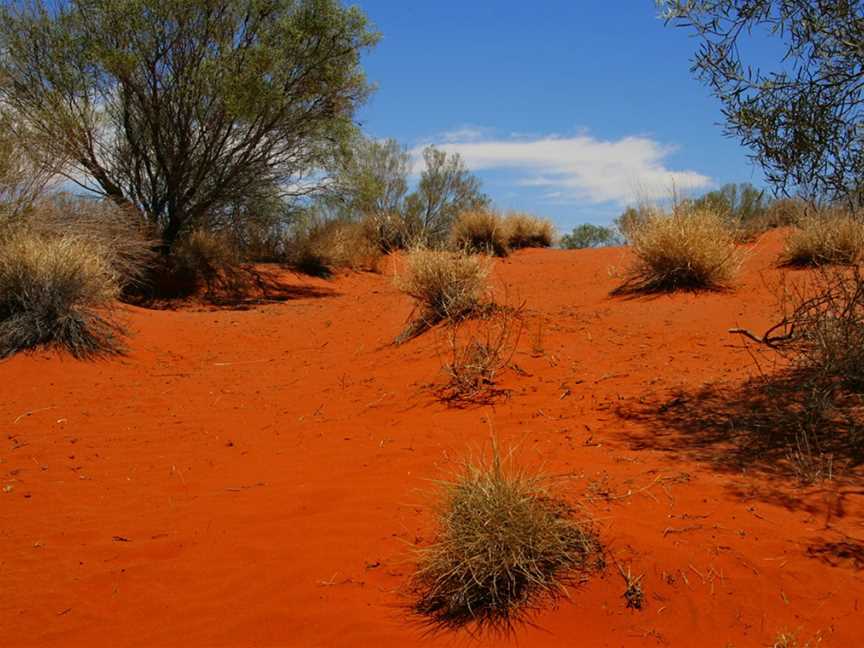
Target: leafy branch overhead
802	120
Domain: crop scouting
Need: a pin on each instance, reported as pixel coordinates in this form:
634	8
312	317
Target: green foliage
180	107
739	203
446	189
371	184
801	119
587	235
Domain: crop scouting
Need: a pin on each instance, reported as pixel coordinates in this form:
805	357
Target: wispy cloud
579	168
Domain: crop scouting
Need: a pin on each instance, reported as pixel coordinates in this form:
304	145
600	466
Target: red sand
259	476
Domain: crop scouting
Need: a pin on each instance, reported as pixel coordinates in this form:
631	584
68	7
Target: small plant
504	545
445	286
476	354
633	595
322	247
687	249
479	230
525	230
826	238
56	291
204	259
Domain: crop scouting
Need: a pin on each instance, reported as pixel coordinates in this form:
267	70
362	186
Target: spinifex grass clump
823	239
445	285
505	546
687	249
56	291
479	230
526	230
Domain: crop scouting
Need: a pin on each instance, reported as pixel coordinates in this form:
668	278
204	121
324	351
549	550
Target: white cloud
579	168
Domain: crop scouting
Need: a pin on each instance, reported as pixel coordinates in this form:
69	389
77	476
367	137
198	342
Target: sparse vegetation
445	286
480	230
830	237
476	353
528	231
505	545
687	249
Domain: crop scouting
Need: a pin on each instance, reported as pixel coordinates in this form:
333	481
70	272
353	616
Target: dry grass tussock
682	250
121	236
323	247
526	230
63	262
445	286
505	546
56	291
479	231
202	260
832	237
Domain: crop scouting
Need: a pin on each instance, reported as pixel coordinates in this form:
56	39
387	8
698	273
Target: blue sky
566	109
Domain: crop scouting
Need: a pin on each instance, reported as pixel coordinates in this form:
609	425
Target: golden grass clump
325	246
682	250
526	230
479	230
505	545
445	286
204	259
120	234
833	237
56	291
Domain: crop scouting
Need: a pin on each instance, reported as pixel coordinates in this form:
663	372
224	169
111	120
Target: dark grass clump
56	292
505	547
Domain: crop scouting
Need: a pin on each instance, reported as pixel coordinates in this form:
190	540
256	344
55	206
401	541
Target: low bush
445	286
831	237
525	230
479	230
505	544
202	259
682	250
322	247
56	291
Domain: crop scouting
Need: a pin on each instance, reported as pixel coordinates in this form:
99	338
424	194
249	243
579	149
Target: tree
446	188
181	107
803	120
739	202
587	235
371	183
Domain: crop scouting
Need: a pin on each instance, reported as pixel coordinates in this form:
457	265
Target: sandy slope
257	475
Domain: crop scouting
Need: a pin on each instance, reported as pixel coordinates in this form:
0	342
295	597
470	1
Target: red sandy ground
258	475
